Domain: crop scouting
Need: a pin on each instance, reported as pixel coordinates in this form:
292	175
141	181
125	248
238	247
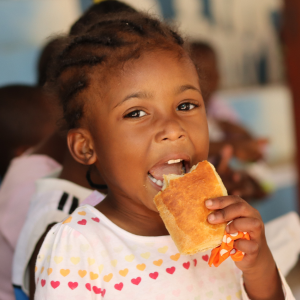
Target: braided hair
103	48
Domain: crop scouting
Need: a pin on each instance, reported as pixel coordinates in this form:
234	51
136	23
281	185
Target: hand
249	150
259	269
237	182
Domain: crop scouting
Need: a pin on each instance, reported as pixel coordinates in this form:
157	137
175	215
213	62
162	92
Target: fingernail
227	229
211	217
208	203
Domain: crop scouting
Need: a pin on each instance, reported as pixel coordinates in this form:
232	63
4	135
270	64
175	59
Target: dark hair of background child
25	118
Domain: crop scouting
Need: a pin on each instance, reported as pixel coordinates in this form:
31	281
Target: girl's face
150	122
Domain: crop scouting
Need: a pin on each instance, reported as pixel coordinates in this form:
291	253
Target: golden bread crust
181	206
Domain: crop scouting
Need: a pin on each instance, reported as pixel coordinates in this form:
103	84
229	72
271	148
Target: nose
171	131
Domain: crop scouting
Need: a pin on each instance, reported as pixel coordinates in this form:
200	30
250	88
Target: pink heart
88	286
153	275
118	286
186	265
205	257
73	285
201	283
99	291
212	279
176	293
136	281
170	270
76	234
43	282
96	220
195	262
189	288
82	222
55	284
160	297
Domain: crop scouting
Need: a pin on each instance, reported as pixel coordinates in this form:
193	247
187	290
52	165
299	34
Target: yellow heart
175	257
40	257
84	247
239	294
49	271
145	255
48	258
68	247
93	276
64	272
114	262
163	249
100	269
228	298
35	269
141	267
82	213
67	220
158	262
108	277
123	272
42	269
129	258
91	261
58	259
82	273
75	260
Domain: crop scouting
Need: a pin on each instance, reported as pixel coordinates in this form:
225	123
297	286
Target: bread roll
181	207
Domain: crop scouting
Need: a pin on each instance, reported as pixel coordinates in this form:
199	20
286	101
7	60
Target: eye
135	114
186	106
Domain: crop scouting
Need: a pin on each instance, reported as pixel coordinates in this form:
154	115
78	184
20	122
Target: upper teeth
174	161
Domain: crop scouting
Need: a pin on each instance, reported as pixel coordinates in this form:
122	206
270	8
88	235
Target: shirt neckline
122	231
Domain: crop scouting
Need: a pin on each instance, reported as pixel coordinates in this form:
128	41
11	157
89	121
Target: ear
81	146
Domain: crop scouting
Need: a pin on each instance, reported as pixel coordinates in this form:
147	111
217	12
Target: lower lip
157	187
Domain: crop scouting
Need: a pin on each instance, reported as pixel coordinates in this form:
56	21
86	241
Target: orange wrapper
226	249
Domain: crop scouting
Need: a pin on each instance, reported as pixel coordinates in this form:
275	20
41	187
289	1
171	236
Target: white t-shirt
89	257
53	201
16	190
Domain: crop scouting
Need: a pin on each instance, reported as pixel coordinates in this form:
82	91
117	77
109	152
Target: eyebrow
186	87
140	95
145	95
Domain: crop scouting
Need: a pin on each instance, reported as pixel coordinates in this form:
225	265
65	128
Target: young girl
133	103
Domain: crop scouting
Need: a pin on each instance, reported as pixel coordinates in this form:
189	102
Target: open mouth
173	166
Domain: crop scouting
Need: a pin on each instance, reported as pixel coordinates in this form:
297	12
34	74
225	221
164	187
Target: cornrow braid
102	40
90	60
130	26
105	45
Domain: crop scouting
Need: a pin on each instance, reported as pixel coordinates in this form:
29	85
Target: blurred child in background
27	116
228	138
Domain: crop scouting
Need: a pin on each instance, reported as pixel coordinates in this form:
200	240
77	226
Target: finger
254	226
221	202
250	248
231	212
226	154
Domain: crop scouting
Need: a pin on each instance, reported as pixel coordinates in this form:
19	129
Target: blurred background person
26	117
228	138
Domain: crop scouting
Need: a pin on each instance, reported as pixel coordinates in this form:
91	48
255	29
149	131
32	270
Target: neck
132	217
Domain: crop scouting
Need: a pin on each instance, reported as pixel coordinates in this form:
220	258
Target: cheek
122	151
200	138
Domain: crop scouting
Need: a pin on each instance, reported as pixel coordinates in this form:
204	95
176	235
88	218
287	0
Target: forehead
151	72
